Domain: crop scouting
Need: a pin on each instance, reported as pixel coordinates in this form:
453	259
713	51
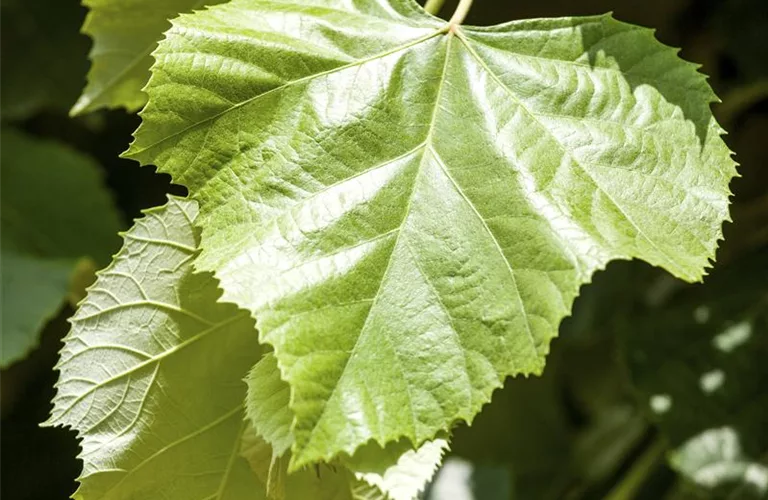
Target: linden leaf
409	207
125	32
55	214
150	375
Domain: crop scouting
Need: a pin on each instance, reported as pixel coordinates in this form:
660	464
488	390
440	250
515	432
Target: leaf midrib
426	144
428	150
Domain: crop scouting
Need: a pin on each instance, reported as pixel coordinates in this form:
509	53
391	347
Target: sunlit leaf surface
409	208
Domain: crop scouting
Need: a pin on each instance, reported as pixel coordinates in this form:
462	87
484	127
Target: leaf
267	405
150	374
409	208
124	33
396	470
699	368
54	213
33	292
323	482
44	57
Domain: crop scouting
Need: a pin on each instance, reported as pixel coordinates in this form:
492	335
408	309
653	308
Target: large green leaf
125	32
54	212
699	365
408	207
151	373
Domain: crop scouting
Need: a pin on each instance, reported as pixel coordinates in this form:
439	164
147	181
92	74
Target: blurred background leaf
43	56
700	372
54	214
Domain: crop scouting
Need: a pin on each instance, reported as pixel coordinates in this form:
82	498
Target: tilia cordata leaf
408	206
150	374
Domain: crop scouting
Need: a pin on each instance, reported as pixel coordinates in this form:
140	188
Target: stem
634	479
433	6
461	13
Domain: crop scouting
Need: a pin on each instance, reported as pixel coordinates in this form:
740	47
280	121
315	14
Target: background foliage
647	368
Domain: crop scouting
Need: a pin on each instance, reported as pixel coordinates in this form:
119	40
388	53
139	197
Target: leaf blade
348	210
152	409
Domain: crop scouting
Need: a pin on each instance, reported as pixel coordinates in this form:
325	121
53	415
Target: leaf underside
150	374
409	210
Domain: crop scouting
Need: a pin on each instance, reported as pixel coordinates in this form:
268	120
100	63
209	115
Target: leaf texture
323	482
409	208
150	374
124	33
396	471
46	231
268	405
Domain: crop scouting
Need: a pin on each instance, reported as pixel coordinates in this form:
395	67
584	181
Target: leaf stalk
460	14
433	6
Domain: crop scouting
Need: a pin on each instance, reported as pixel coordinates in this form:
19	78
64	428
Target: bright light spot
701	314
712	381
661	403
711	458
733	336
454	481
758	476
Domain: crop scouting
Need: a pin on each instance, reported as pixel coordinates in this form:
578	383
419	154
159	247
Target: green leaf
124	33
396	470
150	374
410	208
44	57
323	482
33	292
699	368
268	405
54	212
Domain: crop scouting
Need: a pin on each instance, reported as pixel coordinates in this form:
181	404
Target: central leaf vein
427	144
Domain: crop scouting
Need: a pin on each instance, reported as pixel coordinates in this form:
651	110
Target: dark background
729	38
